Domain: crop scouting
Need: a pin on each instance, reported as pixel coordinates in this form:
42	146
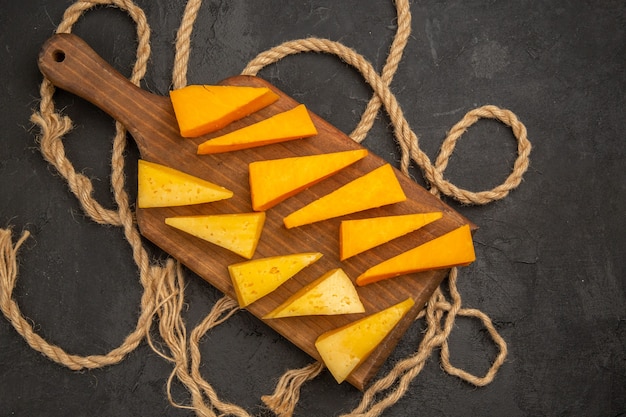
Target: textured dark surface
550	270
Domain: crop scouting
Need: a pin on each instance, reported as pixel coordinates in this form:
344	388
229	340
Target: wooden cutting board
69	63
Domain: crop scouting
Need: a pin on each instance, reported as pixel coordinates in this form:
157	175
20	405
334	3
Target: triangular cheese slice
344	349
269	185
257	278
291	124
332	293
239	232
356	236
162	186
455	248
202	109
377	188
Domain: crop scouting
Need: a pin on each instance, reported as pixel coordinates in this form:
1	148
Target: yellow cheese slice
257	278
344	349
269	185
356	236
454	248
291	124
202	109
377	188
332	293
239	232
162	186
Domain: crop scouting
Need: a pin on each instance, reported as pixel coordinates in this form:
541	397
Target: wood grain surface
69	63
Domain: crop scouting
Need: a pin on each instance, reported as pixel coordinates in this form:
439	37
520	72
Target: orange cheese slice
332	293
162	186
269	184
455	248
239	232
356	236
345	348
202	109
257	278
377	188
291	124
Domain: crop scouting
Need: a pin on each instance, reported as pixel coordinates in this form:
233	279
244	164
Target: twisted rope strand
223	309
287	393
53	127
389	70
183	43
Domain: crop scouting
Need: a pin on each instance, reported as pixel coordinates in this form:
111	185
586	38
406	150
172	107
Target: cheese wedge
356	236
202	109
269	185
291	124
162	186
377	188
257	278
239	232
345	348
455	248
332	293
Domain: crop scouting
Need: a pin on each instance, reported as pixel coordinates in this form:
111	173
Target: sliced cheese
257	278
377	188
344	349
454	248
162	186
356	236
202	109
291	124
269	185
332	293
239	232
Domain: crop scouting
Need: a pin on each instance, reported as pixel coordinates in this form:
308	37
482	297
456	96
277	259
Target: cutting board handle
70	64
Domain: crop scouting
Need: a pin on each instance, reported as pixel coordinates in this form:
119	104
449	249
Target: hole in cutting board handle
58	55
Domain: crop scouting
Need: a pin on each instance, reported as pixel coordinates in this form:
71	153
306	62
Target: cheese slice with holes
162	186
332	293
345	348
256	278
202	109
238	232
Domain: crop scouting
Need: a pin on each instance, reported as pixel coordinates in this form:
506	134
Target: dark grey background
550	270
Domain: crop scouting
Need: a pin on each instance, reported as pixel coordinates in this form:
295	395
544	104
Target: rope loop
447	147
